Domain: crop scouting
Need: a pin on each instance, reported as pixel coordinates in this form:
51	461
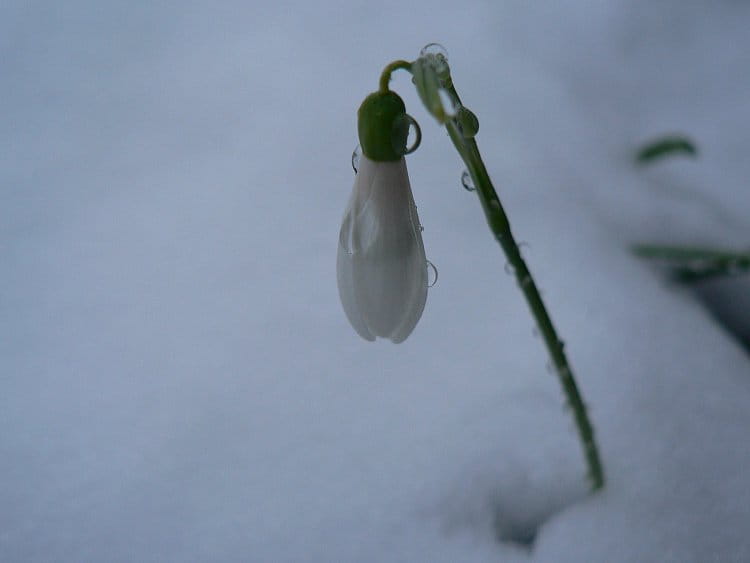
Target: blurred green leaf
695	264
666	146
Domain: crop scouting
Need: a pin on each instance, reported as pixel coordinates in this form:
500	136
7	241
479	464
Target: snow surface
178	381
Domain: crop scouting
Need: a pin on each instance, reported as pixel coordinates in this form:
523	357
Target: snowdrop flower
381	265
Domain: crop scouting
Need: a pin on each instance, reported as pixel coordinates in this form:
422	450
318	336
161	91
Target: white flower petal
381	265
345	278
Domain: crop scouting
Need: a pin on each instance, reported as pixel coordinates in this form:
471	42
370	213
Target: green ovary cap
382	126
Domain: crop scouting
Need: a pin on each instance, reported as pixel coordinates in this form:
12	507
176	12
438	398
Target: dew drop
356	155
525	281
436	55
434	49
406	134
434	277
466	181
414	137
467	122
509	269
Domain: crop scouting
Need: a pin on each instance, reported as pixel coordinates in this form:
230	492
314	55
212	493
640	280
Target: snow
178	381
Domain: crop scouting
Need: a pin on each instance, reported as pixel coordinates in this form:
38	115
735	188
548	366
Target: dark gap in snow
519	522
521	534
728	300
510	503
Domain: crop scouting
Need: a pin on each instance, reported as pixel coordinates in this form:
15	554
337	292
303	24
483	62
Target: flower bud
381	266
382	126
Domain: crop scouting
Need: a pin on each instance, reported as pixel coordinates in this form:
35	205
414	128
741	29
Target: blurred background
178	381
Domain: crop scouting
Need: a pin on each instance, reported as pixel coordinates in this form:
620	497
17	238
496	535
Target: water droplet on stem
434	49
467	122
436	55
466	181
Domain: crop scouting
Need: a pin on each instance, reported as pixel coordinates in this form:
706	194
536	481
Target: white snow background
178	381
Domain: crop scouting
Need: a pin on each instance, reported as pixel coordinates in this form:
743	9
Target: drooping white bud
381	266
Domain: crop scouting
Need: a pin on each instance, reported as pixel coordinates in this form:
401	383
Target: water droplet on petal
434	49
466	181
356	155
434	277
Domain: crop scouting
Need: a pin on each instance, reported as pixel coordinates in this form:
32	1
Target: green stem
385	76
428	84
500	227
